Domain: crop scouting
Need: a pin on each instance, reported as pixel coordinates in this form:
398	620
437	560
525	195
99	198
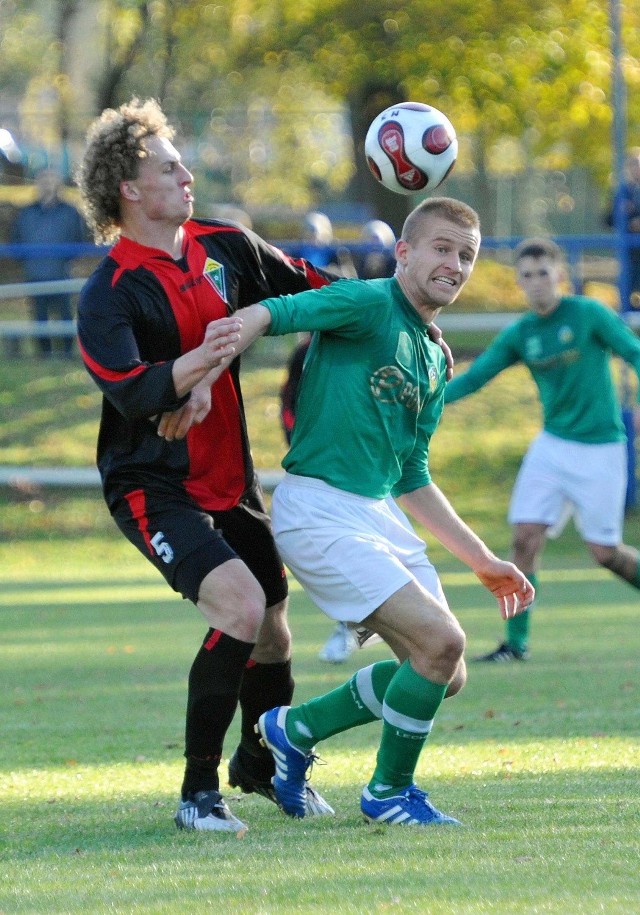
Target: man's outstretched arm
512	590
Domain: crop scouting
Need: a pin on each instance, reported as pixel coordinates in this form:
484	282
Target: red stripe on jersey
213	639
314	279
138	505
108	374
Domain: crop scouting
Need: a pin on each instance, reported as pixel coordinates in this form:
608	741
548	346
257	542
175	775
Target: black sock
214	688
263	687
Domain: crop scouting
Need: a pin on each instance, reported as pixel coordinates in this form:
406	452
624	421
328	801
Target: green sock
410	704
356	702
517	628
635	581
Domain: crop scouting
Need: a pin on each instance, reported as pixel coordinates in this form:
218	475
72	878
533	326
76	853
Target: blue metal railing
616	244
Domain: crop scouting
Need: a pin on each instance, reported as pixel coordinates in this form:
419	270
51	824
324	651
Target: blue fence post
624	286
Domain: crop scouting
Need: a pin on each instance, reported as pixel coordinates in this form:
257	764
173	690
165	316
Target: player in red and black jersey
172	449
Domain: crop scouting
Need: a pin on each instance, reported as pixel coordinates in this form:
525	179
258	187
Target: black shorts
185	542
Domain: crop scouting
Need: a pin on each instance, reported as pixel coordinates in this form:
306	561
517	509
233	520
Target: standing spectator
380	259
317	239
626	208
577	464
49	220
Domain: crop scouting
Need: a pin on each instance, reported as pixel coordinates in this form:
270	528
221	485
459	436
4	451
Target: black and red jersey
139	311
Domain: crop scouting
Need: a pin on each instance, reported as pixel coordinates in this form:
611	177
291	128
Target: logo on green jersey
565	334
388	385
404	350
214	272
533	348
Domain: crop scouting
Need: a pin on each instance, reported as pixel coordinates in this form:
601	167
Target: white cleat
339	646
206	811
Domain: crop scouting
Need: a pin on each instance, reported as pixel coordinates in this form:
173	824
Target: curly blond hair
115	146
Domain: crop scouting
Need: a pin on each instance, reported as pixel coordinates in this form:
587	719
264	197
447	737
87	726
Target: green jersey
372	389
568	354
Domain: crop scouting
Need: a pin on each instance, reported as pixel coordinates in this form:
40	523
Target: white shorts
559	479
350	553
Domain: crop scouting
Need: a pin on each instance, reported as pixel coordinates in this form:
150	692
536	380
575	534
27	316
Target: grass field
540	761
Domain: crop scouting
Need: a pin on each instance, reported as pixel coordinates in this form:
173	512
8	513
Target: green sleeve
499	355
337	307
617	336
415	473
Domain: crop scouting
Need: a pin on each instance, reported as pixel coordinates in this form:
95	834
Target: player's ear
402	246
129	190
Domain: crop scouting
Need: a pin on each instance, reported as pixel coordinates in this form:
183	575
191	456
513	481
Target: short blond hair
454	210
115	146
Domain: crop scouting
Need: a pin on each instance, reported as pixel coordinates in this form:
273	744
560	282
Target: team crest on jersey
214	272
565	335
433	378
533	348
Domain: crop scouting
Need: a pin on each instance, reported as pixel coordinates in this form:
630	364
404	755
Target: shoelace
312	760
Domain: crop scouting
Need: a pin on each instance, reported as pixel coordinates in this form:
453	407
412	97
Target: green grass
539	760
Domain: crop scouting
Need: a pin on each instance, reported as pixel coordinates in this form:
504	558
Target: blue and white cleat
249	782
409	807
292	765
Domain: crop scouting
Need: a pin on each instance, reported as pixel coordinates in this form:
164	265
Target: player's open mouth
447	280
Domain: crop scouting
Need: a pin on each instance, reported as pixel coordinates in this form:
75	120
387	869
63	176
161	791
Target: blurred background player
578	463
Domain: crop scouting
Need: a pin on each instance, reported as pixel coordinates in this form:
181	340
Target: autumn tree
262	86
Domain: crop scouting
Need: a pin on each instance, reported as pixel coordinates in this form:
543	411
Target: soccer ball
411	147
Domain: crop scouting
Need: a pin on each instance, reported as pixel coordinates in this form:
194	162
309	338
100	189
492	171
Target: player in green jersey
578	463
370	399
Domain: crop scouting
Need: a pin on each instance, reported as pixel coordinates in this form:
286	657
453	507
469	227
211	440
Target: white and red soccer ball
411	147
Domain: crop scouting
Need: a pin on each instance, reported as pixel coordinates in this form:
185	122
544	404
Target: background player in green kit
370	399
578	463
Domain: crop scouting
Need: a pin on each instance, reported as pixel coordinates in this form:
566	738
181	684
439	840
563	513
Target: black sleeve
136	387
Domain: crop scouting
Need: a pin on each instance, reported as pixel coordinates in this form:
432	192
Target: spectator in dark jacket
49	220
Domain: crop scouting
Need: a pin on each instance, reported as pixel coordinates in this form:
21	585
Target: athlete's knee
603	555
274	639
240	619
233	603
446	645
619	560
526	545
459	680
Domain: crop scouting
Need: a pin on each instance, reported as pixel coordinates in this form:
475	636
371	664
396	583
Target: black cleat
503	653
252	782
